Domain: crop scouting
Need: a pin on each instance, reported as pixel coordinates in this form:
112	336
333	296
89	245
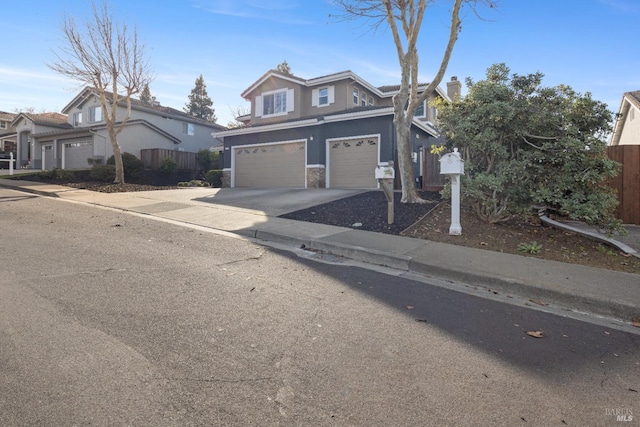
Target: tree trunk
117	155
405	161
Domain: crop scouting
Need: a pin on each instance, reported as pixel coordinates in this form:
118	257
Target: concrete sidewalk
587	289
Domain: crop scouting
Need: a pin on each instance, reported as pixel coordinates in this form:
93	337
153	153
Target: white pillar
11	163
455	229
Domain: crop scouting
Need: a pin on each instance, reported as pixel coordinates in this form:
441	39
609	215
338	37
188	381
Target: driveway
275	201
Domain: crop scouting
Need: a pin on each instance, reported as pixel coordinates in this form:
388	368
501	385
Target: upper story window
356	96
77	119
370	100
420	111
188	128
363	99
433	113
3	125
274	103
322	97
95	114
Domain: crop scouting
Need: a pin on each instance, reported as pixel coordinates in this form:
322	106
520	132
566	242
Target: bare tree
108	58
404	18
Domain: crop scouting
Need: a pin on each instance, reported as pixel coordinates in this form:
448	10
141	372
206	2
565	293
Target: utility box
383	172
452	164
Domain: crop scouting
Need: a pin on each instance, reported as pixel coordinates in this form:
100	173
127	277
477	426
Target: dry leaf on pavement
535	334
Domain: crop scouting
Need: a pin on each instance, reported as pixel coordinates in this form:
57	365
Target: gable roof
382	91
45	119
629	99
6	117
88	130
136	104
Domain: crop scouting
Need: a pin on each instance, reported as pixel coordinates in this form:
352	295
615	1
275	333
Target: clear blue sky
590	45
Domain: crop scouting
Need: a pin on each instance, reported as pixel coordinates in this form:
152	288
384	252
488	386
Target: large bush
525	145
133	166
208	160
214	177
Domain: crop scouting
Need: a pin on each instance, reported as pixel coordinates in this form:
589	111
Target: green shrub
133	166
58	175
103	173
168	166
193	183
208	160
214	177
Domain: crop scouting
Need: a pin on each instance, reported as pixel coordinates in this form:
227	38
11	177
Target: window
370	100
274	103
95	114
420	111
323	96
356	96
363	99
188	128
3	125
434	113
77	119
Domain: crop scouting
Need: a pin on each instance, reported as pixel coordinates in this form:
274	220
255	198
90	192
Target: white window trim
315	96
289	103
77	119
92	114
424	111
188	129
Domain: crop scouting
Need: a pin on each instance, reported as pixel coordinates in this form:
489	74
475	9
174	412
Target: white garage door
352	163
49	161
271	165
76	154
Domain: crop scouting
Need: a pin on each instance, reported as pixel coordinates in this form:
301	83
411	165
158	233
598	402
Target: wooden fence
627	183
431	178
152	158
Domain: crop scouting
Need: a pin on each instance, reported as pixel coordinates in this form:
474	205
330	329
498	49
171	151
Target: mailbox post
452	164
385	176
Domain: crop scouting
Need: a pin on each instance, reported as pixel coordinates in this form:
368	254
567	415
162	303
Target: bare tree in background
108	58
404	18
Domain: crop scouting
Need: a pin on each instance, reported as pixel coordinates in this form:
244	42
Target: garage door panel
352	163
274	165
76	154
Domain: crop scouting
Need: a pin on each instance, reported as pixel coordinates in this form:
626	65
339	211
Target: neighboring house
78	137
330	131
626	130
7	132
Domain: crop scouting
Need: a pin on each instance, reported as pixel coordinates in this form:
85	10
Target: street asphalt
254	214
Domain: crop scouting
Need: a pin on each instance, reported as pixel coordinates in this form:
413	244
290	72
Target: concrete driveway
275	201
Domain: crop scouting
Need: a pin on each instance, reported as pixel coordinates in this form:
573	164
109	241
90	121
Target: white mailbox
383	172
452	164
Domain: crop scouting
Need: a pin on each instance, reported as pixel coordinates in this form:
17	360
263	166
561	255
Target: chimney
453	88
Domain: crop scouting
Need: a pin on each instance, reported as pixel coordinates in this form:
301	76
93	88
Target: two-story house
626	130
330	131
78	137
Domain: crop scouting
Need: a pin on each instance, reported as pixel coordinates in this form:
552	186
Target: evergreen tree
284	68
145	95
200	104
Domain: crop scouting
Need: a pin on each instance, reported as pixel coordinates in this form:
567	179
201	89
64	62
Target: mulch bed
368	211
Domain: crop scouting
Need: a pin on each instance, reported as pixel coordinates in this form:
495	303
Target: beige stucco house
626	130
330	131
